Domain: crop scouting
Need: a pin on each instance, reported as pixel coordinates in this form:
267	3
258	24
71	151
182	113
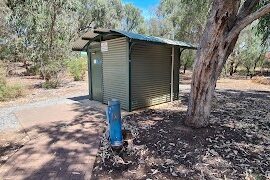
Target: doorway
96	65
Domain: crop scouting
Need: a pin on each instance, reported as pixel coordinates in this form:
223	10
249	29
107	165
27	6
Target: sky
147	6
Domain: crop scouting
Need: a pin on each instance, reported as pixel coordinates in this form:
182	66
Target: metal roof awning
89	35
80	44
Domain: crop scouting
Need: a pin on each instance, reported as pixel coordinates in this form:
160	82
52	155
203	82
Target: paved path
7	114
64	139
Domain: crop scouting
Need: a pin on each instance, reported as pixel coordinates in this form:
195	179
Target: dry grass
261	80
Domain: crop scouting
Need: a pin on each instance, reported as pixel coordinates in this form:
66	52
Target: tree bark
185	68
231	68
217	43
247	72
53	22
235	67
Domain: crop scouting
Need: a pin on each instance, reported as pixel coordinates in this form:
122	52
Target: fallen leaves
237	141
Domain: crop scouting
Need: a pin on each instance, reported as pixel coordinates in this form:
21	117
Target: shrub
77	68
8	92
2	76
33	71
53	73
51	84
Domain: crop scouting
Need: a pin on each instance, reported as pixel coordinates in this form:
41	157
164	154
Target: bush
77	68
8	92
53	73
33	71
51	84
2	76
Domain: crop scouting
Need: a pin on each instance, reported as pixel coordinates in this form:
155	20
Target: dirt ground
34	92
236	145
234	83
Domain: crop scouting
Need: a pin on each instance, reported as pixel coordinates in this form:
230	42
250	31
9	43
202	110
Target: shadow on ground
63	150
235	145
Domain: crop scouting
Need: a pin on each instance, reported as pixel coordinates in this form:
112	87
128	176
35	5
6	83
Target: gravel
8	119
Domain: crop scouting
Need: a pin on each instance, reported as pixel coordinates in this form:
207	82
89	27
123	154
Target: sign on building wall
104	46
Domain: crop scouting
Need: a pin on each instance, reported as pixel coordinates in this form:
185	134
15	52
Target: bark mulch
236	145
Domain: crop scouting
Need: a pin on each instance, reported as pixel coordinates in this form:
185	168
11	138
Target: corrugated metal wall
116	72
150	74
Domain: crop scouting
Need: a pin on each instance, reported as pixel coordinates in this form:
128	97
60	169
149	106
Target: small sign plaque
104	46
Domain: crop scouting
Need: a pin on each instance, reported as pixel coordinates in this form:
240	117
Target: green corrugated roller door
150	74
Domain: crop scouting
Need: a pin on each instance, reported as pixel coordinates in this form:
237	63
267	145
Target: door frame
91	75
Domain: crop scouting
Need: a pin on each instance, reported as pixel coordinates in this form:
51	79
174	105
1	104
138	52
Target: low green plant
51	84
33	71
53	74
8	92
2	76
77	68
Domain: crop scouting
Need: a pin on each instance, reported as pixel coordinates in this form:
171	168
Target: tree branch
242	23
247	8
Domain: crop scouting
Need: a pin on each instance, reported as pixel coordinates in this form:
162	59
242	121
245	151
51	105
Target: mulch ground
236	145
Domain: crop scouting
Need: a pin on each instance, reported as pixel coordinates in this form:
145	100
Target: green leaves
248	49
184	19
100	13
263	27
132	18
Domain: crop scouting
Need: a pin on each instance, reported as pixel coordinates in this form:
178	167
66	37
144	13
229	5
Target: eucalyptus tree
132	19
225	22
157	26
43	29
183	20
100	14
4	11
4	30
263	27
187	59
186	18
250	50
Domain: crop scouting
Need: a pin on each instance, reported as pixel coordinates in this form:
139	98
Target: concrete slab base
64	141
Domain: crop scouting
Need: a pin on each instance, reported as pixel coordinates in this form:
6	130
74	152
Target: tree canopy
263	27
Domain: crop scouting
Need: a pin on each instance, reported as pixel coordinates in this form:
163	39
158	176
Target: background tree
42	32
233	62
253	48
4	11
225	22
178	16
182	20
132	19
187	59
5	53
157	27
100	13
263	27
248	52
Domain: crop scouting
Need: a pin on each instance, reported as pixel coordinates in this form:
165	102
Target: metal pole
172	74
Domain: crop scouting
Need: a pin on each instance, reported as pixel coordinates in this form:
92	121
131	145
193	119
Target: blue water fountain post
114	122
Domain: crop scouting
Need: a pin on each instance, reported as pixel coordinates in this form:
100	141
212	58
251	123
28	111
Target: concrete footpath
63	141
